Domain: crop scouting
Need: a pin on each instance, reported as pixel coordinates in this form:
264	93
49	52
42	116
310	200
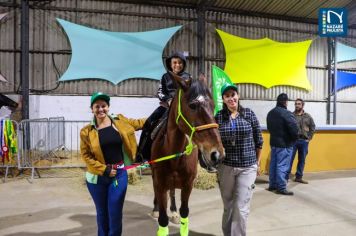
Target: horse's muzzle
210	163
214	157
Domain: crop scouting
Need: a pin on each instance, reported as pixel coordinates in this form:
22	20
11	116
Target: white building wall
77	108
316	109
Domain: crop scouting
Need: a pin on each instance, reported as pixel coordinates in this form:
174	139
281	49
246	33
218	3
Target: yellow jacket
91	152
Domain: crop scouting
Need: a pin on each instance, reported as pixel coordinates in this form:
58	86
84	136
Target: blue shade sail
115	56
345	53
345	80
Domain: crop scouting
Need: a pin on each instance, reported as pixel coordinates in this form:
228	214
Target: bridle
189	148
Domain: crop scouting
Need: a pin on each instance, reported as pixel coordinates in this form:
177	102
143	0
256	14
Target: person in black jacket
283	130
176	63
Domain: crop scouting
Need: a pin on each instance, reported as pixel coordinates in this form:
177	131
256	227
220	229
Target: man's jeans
279	166
302	147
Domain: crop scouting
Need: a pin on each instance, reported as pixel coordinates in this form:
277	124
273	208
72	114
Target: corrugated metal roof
283	8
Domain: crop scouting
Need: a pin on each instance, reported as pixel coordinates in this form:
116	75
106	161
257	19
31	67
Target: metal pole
16	85
334	82
201	38
328	108
25	58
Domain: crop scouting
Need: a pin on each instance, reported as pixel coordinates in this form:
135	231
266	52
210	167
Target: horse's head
193	109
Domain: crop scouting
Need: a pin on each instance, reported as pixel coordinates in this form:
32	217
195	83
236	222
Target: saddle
147	137
162	123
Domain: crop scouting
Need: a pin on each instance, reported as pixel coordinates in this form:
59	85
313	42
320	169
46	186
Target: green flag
219	79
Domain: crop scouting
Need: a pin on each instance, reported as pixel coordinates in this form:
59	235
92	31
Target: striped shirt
240	137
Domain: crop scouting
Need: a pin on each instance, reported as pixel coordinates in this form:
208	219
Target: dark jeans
109	196
302	147
278	167
144	147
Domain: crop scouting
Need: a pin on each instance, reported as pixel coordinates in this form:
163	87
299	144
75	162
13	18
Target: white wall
316	109
77	108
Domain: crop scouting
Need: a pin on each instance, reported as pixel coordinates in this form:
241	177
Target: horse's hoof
175	218
162	231
155	214
184	227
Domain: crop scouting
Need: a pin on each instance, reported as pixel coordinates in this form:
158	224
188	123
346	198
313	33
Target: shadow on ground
137	221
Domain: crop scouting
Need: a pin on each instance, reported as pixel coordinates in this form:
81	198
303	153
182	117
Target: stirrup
184	226
162	231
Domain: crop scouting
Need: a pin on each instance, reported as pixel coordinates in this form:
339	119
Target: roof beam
209	7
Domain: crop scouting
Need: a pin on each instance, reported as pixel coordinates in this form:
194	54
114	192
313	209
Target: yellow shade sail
266	62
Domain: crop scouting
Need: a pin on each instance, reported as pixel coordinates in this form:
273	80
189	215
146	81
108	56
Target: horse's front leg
155	208
174	215
161	195
184	209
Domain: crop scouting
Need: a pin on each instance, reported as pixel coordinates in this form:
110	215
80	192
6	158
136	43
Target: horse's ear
203	79
183	83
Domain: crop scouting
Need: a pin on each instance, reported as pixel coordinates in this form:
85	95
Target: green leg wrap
162	231
184	226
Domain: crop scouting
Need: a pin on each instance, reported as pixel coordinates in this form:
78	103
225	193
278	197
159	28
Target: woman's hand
113	173
259	171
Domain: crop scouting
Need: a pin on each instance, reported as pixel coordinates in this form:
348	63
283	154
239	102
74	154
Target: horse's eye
193	106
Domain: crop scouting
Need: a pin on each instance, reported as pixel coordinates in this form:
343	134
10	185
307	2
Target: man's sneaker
300	181
271	189
285	192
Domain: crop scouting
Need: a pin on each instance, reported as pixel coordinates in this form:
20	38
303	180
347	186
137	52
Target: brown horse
190	126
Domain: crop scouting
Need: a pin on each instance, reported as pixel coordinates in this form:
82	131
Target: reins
190	146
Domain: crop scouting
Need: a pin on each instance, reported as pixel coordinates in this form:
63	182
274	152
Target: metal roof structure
305	11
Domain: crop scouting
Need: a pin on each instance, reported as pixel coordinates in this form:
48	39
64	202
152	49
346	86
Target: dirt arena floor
58	204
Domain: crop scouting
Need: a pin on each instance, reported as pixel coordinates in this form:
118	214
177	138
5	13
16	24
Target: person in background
306	129
107	144
242	139
283	130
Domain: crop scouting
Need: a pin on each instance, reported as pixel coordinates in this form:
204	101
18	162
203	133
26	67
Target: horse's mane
197	88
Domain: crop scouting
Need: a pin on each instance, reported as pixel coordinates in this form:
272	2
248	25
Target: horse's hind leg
161	196
184	210
174	215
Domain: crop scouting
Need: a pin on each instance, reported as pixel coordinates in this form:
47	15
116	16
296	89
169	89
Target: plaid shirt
240	137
